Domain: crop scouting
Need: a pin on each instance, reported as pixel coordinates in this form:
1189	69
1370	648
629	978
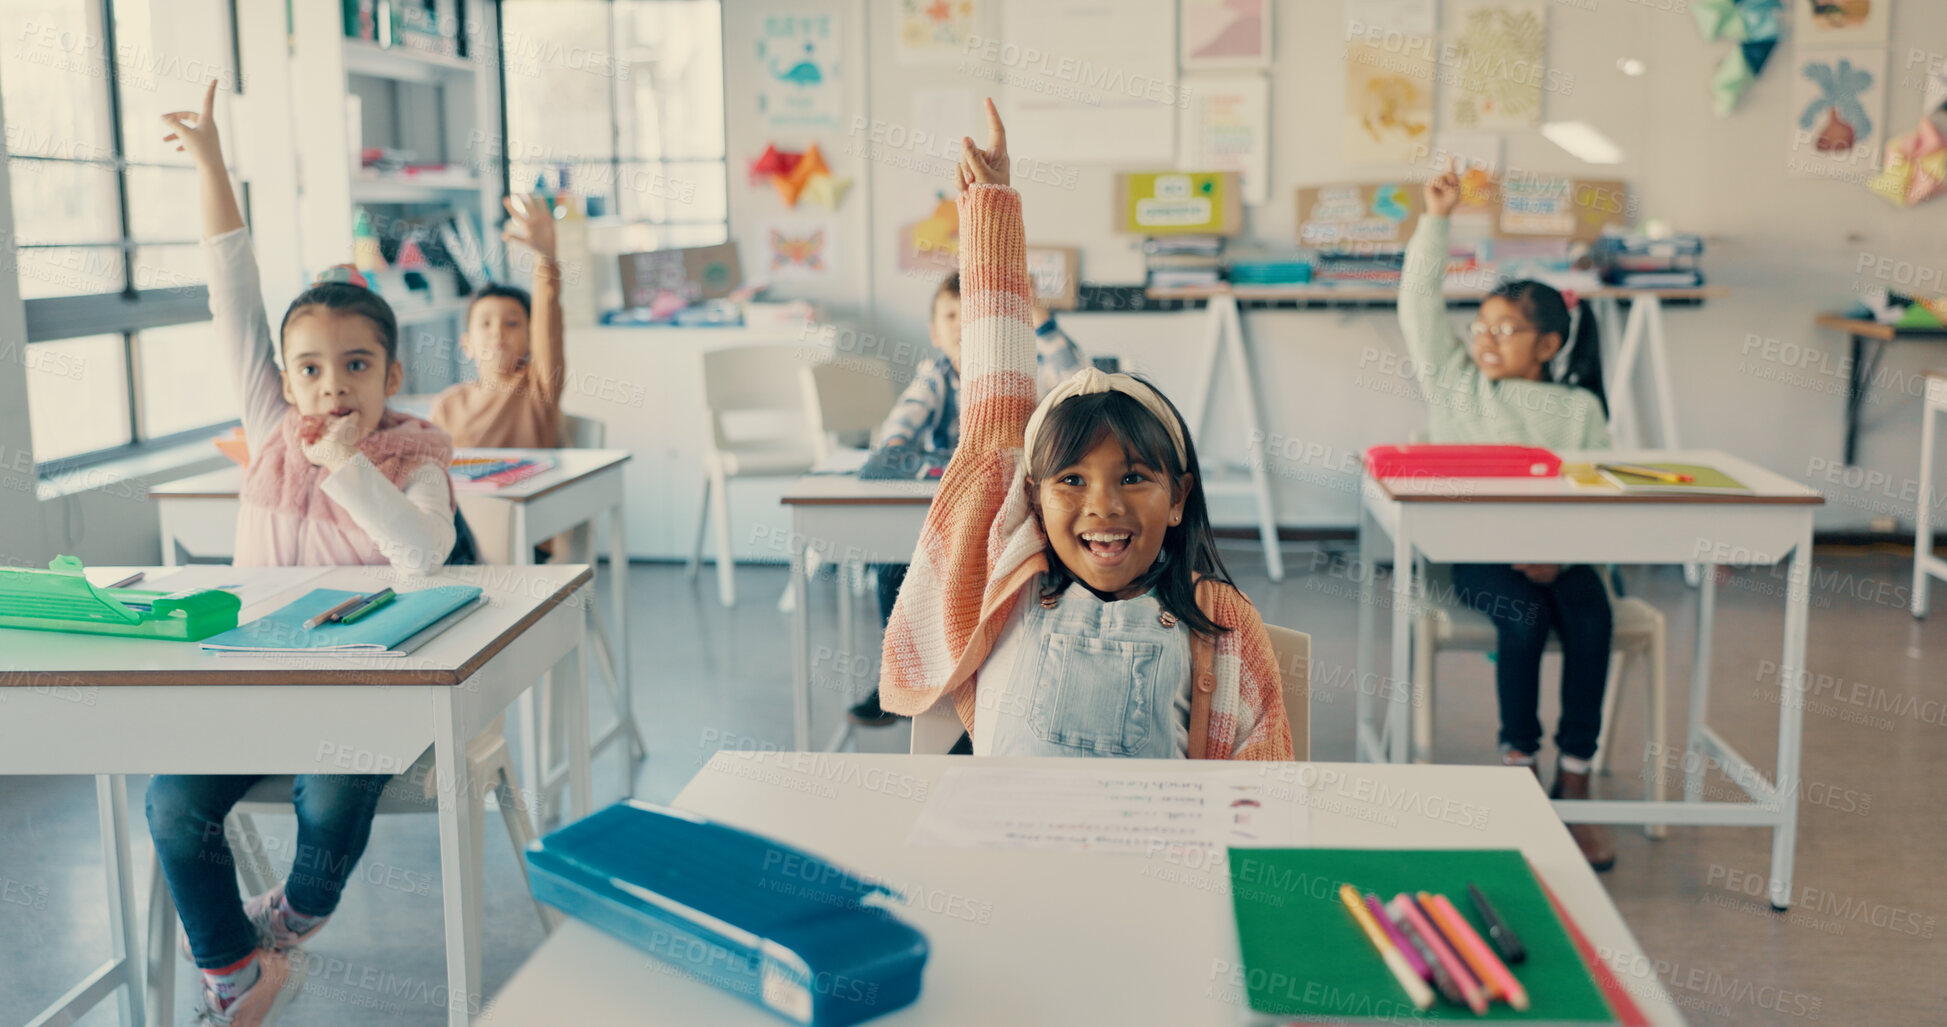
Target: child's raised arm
1422	298
930	641
236	296
532	223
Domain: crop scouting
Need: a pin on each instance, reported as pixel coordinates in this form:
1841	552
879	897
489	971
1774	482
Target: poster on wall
1495	59
1227	127
1178	203
1570	208
1838	105
797	70
1349	216
1388	102
796	248
1842	22
1377	19
1225	34
932	31
932	243
1084	82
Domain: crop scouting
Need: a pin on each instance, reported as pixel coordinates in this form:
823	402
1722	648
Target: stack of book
1360	268
1270	270
1184	261
1640	262
484	474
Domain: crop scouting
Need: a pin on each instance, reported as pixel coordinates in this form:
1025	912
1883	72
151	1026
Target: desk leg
618	568
1241	380
1399	728
534	701
1362	693
460	846
124	933
571	677
1791	717
1623	419
1923	511
1666	393
1693	747
800	647
1866	354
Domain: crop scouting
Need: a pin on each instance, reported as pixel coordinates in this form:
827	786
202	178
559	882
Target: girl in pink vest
334	478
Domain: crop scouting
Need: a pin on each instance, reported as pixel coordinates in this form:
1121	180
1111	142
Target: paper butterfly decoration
1755	26
800	251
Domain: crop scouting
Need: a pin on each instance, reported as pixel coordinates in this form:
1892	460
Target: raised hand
530	222
195	132
984	167
1443	191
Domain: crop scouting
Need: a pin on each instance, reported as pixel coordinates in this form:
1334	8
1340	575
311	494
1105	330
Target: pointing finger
996	132
209	103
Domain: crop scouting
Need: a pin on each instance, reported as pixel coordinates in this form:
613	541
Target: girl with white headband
1066	592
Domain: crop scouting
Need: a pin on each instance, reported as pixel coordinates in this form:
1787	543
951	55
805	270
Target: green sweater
1462	404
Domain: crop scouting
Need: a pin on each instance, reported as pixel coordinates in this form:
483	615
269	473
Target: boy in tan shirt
515	343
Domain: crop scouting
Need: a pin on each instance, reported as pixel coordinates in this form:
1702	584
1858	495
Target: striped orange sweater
981	545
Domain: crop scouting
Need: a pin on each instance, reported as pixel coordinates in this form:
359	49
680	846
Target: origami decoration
791	185
827	190
773	161
1916	166
1755	26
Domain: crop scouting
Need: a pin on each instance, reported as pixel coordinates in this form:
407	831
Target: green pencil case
62	599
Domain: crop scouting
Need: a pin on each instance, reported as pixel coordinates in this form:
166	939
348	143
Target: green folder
1709	480
1304	956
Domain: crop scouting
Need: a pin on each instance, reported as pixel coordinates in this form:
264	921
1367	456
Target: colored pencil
1416	988
1482	958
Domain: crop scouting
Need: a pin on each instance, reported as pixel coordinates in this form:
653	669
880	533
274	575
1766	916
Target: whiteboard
1085	81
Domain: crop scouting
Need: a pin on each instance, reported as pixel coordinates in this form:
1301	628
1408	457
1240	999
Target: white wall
1787	247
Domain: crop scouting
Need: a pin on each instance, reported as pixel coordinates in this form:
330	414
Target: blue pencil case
776	926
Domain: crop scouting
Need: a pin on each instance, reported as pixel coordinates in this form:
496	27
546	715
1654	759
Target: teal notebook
1307	960
395	629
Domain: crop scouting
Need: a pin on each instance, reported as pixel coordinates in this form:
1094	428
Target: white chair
845	400
1638	637
741	385
412	791
935	731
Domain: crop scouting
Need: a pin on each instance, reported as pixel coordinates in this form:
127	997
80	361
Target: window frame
131	310
614	162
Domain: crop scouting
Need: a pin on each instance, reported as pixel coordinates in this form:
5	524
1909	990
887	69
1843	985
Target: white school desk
96	704
1927	566
1026	937
844	520
1549	520
198	517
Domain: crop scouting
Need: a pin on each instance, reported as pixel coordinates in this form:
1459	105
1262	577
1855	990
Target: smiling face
496	336
1107	513
335	365
1506	344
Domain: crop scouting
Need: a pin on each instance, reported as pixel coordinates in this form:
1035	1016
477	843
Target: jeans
1576	608
186	811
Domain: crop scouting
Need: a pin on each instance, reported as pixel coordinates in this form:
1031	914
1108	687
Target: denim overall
1094	678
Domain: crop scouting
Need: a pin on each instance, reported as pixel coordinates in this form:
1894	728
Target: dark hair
949	286
1078	424
492	289
1541	304
346	298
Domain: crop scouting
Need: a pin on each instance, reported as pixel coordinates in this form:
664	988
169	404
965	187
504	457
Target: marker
1416	988
1478	954
1406	950
1449	989
1652	473
334	613
1498	930
374	603
1463	978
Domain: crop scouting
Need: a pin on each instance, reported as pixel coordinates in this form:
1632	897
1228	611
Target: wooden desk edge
314	676
625	457
1273	293
1814	499
1874	329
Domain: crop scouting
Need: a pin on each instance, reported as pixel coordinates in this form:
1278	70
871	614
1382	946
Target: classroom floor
1859	946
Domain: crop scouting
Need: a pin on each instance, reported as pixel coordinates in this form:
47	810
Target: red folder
1462	461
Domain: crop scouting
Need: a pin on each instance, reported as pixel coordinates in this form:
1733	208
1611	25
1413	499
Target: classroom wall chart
1225	34
935	31
797	69
1838	108
1842	22
1388	102
1178	203
1494	65
1227	127
1086	82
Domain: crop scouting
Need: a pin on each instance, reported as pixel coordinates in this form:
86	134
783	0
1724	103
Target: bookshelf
439	112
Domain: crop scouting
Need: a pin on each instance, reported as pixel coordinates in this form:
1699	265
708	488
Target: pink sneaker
266	913
280	982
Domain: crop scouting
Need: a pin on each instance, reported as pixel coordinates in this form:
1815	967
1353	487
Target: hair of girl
1077	425
345	298
493	289
1542	305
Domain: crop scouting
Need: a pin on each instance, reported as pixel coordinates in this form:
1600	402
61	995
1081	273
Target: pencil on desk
1464	937
1652	473
335	612
1456	966
1416	988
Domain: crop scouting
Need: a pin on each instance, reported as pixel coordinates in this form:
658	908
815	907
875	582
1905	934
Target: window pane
58	202
77	399
67	271
669	83
178	390
52	76
673	192
162	204
170	267
166	52
558	71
